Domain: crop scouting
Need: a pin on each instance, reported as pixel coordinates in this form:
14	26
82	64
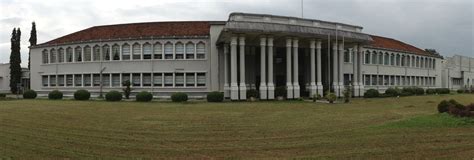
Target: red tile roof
393	44
137	30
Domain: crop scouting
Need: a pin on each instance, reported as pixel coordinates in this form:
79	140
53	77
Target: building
5	78
458	72
248	51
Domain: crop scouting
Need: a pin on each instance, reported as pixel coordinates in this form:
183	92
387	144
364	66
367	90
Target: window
52	56
96	79
374	58
125	77
106	80
398	80
417	62
201	50
392	59
380	82
367	57
380	58
136	51
386	80
403	61
157	51
367	80
422	63
106	53
126	52
115	52
201	79
386	59
179	79
136	79
87	54
157	79
398	60
408	60
392	80
45	57
347	79
115	80
434	63
427	62
347	57
60	80
168	51
190	50
168	79
374	80
96	53
413	62
52	80
78	80
190	79
87	80
69	54
146	51
44	79
147	78
78	54
68	80
179	49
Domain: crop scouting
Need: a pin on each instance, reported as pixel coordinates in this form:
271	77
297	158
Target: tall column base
296	90
289	91
226	90
271	91
356	91
313	89
361	90
319	88
234	92
336	89
243	91
263	91
341	90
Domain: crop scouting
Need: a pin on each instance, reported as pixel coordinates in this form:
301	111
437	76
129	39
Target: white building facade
249	51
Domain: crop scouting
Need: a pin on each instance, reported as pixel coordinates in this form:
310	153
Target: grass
383	128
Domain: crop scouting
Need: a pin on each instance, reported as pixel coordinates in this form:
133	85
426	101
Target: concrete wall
5	78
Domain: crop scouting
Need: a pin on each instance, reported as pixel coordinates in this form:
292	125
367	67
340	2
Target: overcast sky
445	25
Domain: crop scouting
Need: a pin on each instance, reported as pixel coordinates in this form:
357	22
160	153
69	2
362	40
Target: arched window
392	59
87	53
201	50
417	61
106	52
374	57
190	50
78	54
52	56
422	63
367	57
434	63
147	51
60	55
403	60
136	51
398	60
69	54
380	58
157	51
386	59
45	57
96	53
125	52
179	50
408	60
115	52
168	50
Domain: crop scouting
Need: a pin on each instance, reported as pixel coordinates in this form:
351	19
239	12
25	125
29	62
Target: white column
335	69
319	84
341	71
234	88
360	68
289	85
263	81
242	85
313	87
296	86
270	85
226	71
355	72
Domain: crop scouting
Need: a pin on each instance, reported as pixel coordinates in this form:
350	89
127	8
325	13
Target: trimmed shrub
408	91
393	92
29	94
144	96
280	91
460	91
215	96
419	91
442	90
82	95
113	96
371	93
252	93
443	106
55	95
331	97
470	107
430	91
179	97
3	95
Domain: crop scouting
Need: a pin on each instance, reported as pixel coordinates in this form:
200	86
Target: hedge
215	96
179	97
371	93
30	94
55	95
113	96
82	95
144	96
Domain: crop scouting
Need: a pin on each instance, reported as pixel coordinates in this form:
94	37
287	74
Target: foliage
280	91
430	91
419	91
371	93
3	95
393	92
460	91
179	97
32	41
408	91
15	61
127	90
30	94
144	96
455	108
331	97
442	90
443	106
113	96
55	95
252	93
82	95
215	96
347	94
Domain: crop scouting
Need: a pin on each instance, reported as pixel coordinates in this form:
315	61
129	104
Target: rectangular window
53	56
157	79
168	79
367	58
392	80
60	80
157	51
126	52
116	80
367	80
52	80
374	80
380	80
87	80
347	79
147	51
201	51
78	80
179	79
44	79
386	80
347	57
190	51
374	58
190	79
201	79
96	79
106	80
136	79
125	77
398	80
68	80
146	79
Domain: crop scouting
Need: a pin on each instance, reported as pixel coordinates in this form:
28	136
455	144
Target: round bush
55	95
3	95
179	97
252	93
419	91
371	93
215	96
442	90
113	96
82	95
460	90
29	94
392	92
331	97
443	106
408	91
144	96
430	91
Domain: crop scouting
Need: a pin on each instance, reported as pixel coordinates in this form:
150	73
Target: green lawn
385	128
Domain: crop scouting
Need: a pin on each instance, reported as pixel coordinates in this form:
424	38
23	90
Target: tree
127	90
32	41
15	60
